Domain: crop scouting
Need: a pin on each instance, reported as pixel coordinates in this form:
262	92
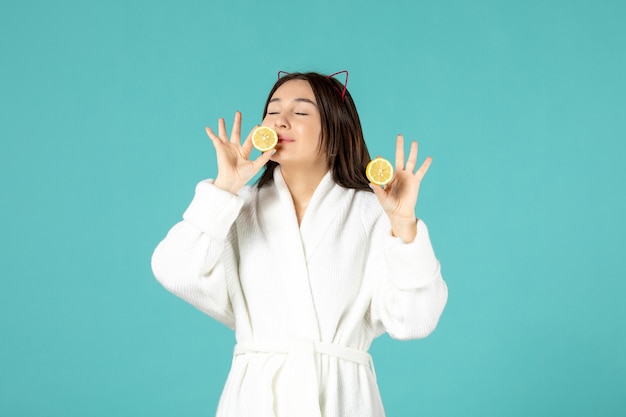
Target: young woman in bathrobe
309	265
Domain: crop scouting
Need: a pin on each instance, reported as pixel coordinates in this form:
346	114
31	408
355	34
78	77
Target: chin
279	157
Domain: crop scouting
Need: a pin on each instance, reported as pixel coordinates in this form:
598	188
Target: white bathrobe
305	302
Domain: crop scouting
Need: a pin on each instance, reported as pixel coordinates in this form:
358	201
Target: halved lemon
264	138
379	171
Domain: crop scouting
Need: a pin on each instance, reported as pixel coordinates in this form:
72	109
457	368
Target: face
292	112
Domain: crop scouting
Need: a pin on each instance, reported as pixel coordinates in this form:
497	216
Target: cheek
314	130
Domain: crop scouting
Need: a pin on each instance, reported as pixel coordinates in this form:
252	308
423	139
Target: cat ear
345	84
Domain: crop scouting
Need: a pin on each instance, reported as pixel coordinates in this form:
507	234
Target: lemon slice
379	171
264	138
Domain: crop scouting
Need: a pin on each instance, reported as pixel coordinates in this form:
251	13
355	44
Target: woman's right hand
234	167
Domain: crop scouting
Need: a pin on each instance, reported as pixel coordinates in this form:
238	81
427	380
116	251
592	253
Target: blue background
521	104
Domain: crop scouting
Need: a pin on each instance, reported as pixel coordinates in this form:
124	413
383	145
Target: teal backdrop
521	104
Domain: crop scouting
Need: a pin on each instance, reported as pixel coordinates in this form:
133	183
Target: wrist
225	185
404	228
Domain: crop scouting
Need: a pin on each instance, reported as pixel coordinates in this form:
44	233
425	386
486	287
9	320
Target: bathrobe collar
296	245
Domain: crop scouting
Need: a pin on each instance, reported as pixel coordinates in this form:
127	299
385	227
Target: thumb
378	191
262	160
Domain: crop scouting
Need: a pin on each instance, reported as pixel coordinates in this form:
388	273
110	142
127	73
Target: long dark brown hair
342	135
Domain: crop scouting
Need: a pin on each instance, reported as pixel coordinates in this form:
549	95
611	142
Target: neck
302	184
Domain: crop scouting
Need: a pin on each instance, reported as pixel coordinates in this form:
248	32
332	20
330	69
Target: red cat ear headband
345	84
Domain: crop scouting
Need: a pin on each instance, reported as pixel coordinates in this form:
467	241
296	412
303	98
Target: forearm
196	257
412	314
410	300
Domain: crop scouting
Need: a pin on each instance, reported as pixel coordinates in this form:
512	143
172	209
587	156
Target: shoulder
368	203
249	197
248	193
366	207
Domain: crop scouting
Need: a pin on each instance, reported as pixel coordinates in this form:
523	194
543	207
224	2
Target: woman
309	265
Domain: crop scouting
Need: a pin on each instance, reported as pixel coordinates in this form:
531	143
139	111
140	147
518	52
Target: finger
236	131
379	192
410	164
247	144
262	160
399	153
424	168
214	138
222	130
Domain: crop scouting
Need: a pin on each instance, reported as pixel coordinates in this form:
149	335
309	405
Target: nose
281	122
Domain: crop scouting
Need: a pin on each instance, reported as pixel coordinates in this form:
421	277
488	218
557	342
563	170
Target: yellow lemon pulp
379	171
264	138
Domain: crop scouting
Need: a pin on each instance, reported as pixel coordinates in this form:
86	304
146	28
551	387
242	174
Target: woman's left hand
399	197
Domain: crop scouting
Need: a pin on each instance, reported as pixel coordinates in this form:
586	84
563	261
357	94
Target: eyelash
298	113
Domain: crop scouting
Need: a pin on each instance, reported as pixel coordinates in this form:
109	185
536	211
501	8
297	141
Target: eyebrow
301	100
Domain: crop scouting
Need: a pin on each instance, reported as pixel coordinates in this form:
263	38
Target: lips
282	139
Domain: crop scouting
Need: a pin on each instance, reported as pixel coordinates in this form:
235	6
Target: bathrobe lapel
322	213
296	392
280	227
294	245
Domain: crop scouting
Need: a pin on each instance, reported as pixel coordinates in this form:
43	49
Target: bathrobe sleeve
410	293
198	255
